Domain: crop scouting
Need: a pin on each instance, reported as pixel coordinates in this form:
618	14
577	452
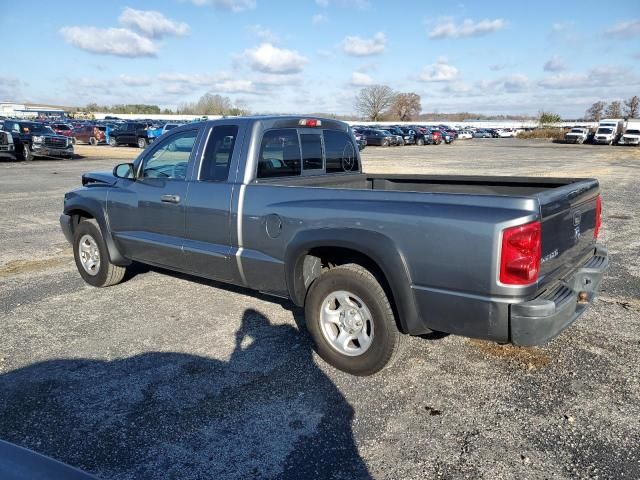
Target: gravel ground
168	376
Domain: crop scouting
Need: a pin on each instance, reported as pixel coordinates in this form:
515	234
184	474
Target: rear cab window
289	152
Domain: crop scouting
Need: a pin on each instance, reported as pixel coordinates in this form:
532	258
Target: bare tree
210	104
372	101
594	112
614	110
405	106
631	107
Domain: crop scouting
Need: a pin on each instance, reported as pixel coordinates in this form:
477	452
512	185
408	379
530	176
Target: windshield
605	130
576	130
62	127
169	126
36	128
633	132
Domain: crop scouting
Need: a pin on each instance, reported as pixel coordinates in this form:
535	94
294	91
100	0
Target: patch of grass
544	133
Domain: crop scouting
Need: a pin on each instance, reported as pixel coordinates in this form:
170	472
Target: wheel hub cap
346	323
89	254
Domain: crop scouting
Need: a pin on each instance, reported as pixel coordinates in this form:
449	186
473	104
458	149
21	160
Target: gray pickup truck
280	205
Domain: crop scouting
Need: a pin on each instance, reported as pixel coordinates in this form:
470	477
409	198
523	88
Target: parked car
369	257
437	136
33	139
609	131
482	134
90	134
577	135
447	136
7	147
406	137
360	140
396	140
131	133
631	136
465	135
423	136
377	137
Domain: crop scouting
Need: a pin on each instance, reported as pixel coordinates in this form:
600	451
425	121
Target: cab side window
340	152
218	153
280	154
170	159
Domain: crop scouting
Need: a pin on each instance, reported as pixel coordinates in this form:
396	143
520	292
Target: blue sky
315	55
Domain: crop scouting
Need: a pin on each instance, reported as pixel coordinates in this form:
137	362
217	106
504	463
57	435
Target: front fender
378	247
92	203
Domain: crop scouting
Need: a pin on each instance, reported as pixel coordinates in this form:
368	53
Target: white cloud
263	33
10	88
439	72
151	23
359	79
319	18
109	41
359	4
628	29
231	5
362	47
554	64
234	86
269	59
514	83
446	28
130	81
602	76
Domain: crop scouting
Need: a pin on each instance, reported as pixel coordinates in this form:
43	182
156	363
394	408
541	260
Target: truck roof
288	121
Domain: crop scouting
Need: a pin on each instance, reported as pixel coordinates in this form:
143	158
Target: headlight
37	139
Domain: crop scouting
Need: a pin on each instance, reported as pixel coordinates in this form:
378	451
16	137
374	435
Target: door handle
170	198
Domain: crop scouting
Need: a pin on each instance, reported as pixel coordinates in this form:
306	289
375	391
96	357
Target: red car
90	134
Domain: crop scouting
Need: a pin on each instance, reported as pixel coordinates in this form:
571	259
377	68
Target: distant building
21	110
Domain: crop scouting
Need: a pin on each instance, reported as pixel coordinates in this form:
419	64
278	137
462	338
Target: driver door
147	214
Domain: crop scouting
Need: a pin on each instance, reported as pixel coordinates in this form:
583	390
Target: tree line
628	108
207	104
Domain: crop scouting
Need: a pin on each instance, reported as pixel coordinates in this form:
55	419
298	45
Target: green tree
548	119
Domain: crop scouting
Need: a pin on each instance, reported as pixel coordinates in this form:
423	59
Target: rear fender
379	248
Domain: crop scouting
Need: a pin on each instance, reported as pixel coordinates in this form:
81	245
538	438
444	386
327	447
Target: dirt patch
529	358
17	267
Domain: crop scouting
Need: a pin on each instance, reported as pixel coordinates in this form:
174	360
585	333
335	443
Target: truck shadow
266	412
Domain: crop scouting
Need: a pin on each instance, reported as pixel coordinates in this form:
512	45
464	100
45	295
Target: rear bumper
539	320
509	320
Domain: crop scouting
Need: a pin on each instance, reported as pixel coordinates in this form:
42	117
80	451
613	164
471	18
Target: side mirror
124	170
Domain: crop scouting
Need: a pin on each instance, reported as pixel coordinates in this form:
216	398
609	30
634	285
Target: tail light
596	230
520	254
310	122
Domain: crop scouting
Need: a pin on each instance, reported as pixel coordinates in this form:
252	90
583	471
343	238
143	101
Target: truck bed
471	185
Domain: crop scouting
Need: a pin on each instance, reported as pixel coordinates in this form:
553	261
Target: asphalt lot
168	376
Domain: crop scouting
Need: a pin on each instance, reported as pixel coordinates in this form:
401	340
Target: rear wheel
351	320
113	142
93	141
385	143
420	141
92	258
142	142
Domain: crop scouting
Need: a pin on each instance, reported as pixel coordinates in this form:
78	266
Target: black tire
113	142
93	141
27	154
420	142
107	274
385	143
386	340
142	142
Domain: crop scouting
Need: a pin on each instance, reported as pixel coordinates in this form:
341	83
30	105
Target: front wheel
93	141
420	141
142	142
92	258
113	142
351	321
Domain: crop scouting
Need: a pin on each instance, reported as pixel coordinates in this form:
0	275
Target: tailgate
568	224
